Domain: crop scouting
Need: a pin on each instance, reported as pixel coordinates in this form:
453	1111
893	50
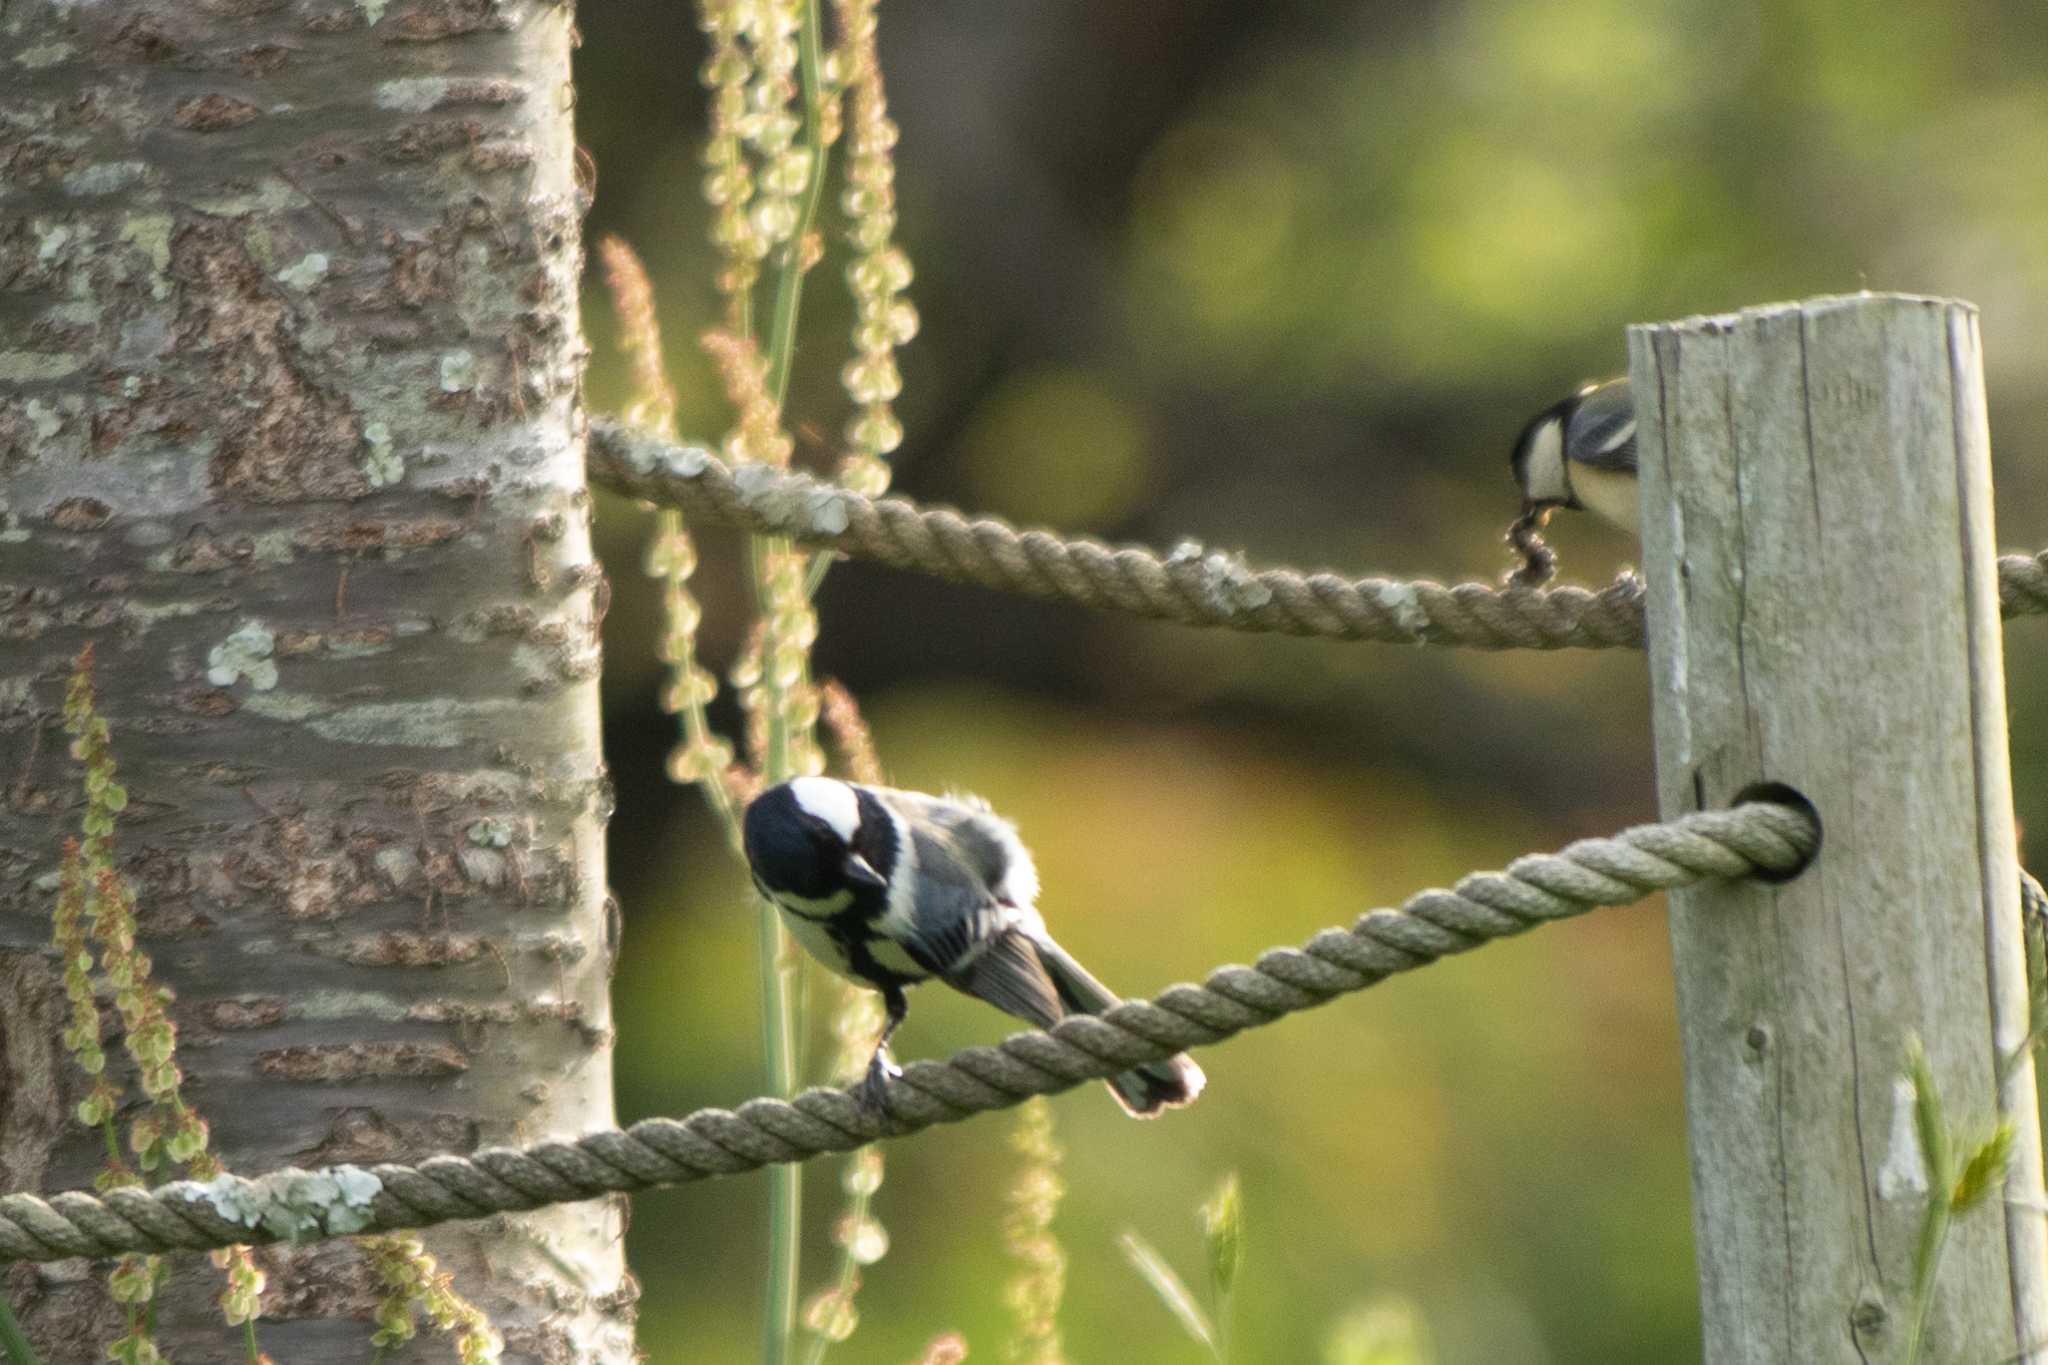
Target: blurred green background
1285	278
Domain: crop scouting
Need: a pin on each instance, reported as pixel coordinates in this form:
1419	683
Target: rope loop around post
307	1205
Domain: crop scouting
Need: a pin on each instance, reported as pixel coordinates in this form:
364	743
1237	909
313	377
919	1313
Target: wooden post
1823	612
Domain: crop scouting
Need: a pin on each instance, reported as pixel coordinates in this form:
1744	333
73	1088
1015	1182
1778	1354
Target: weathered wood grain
1823	613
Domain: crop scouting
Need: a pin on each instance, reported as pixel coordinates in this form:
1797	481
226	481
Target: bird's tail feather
1144	1091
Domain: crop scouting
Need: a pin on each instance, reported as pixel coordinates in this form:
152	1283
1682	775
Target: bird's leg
874	1090
1525	537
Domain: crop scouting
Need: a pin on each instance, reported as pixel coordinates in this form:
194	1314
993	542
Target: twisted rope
715	1142
2023	584
1191	585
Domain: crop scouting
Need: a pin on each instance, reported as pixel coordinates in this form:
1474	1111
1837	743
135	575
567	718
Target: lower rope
306	1205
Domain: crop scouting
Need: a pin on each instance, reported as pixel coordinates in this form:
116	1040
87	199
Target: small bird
1581	453
890	888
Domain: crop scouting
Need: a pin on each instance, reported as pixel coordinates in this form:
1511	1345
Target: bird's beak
860	872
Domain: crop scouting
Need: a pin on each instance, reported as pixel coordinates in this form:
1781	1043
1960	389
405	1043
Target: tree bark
290	429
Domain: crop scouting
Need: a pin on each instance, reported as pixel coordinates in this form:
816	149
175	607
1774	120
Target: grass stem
779	1024
19	1352
789	282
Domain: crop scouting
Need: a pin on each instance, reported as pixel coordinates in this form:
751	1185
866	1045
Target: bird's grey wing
985	842
953	914
961	931
1603	428
1008	974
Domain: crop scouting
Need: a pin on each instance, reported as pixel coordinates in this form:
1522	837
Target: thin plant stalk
1956	1184
778	966
789	284
783	578
1934	1228
1038	1282
778	969
785	1181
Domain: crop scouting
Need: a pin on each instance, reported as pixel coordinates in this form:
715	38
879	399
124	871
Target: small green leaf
132	1280
115	797
185	1143
1984	1171
1223	1232
153	1045
144	1134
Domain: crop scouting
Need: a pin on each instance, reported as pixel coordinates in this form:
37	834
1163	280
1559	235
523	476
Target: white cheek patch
831	801
1544	474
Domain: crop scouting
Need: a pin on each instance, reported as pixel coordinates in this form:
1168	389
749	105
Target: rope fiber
1759	837
1192	585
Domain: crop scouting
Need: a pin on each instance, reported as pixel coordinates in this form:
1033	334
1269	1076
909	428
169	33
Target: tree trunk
290	430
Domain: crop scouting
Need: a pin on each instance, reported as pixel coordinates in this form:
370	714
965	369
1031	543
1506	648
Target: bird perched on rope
1577	453
891	888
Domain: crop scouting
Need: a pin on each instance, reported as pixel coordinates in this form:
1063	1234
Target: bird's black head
815	838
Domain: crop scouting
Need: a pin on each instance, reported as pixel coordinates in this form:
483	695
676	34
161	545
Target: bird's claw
1524	536
874	1087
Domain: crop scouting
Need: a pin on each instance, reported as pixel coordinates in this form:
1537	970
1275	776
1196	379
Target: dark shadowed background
1284	278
